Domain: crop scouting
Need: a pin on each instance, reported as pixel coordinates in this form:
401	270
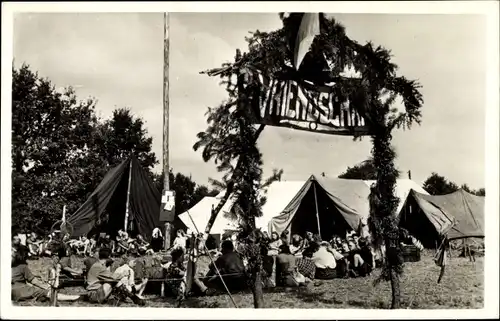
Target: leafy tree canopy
436	184
365	170
61	151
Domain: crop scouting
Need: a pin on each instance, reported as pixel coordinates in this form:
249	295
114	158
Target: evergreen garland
230	134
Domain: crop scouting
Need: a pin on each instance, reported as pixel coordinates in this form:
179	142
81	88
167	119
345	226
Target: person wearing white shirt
180	240
325	260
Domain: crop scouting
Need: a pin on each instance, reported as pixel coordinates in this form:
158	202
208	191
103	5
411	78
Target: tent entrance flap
318	214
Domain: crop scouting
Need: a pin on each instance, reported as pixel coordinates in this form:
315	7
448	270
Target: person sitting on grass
287	271
175	271
355	239
285	267
141	244
337	243
305	264
121	244
325	262
231	267
308	239
284	237
101	283
16	244
33	245
297	245
269	274
274	244
180	240
91	245
25	286
126	274
366	253
156	240
357	266
70	275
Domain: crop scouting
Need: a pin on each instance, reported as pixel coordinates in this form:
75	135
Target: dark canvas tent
430	217
316	207
108	203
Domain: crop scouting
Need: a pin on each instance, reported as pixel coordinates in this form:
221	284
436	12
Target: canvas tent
200	214
317	209
348	197
292	205
278	195
126	184
430	217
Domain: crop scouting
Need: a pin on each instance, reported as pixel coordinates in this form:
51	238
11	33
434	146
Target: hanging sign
305	106
167	210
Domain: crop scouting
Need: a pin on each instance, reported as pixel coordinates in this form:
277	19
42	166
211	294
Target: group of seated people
124	244
285	263
96	276
35	246
87	246
304	259
104	277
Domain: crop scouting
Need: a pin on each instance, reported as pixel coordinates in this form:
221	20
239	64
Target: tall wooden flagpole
166	168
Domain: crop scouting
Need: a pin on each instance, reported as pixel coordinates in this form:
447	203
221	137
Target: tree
121	135
365	171
50	131
231	138
480	192
61	150
439	185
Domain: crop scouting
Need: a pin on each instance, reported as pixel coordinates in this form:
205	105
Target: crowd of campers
124	267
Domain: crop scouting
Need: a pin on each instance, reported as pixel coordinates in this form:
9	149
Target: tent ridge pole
317	211
128	196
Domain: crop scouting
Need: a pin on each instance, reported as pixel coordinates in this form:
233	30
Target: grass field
461	287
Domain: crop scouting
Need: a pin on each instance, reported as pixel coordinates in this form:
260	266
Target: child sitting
175	272
126	275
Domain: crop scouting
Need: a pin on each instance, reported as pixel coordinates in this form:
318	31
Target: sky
117	58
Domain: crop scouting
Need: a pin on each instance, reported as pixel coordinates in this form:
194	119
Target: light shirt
274	247
23	238
126	275
324	259
180	242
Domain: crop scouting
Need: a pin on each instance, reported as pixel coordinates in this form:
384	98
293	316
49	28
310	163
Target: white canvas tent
201	212
353	193
278	196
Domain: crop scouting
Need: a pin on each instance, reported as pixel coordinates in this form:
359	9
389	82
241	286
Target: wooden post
317	211
54	283
166	168
127	205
